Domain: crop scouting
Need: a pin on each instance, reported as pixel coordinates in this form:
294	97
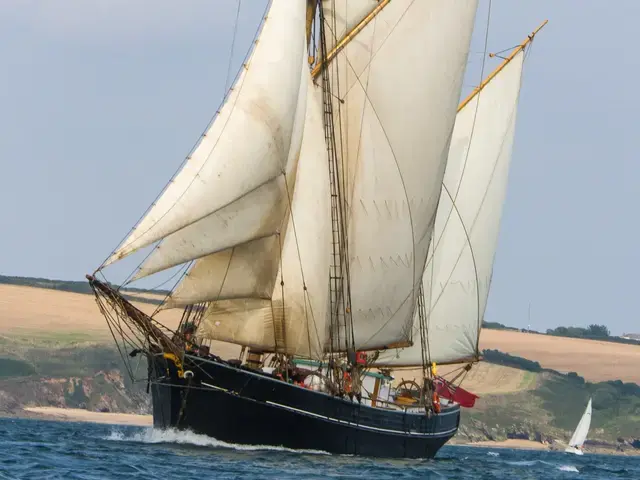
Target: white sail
458	274
341	16
580	434
257	215
247	145
400	79
250	306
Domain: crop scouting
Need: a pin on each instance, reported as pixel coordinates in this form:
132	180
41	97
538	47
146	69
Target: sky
101	101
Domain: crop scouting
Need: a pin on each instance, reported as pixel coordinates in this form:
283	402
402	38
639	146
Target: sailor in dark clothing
188	331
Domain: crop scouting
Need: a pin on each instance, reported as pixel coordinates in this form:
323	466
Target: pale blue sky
101	100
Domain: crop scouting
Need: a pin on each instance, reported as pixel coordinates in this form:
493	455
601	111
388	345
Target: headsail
271	294
398	80
580	435
458	274
254	217
246	148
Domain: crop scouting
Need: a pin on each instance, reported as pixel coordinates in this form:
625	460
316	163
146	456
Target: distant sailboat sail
580	434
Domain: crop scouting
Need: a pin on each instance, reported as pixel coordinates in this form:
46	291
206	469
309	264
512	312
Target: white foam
186	437
568	468
493	454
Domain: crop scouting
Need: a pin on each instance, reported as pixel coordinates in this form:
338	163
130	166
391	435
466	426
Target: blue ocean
32	449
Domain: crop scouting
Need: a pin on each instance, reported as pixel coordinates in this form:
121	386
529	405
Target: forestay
400	79
458	274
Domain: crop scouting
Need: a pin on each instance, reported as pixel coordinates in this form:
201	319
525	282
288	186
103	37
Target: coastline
514	444
137	420
80	415
511	443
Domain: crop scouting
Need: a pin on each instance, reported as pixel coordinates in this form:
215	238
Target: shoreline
139	420
80	415
513	444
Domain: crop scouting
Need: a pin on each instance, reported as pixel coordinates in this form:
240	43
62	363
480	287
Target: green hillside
553	408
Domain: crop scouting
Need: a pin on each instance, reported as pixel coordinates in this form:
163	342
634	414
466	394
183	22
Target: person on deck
188	331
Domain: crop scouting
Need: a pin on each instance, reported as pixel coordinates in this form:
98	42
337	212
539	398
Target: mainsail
458	273
398	80
580	435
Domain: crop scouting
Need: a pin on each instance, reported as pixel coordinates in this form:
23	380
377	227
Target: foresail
247	145
244	271
286	311
580	435
256	215
458	273
400	79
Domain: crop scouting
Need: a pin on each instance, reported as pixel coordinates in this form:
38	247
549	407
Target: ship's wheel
408	393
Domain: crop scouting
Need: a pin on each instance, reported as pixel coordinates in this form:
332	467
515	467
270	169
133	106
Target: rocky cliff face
473	430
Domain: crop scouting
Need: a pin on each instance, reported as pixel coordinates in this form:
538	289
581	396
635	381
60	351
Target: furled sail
272	293
243	154
458	273
399	81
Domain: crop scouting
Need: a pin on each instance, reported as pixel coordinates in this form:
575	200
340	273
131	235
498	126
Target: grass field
594	360
39	315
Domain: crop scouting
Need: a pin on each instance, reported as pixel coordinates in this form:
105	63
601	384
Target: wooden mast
348	37
505	62
311	13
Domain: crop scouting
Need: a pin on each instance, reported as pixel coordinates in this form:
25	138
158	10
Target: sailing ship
580	434
338	220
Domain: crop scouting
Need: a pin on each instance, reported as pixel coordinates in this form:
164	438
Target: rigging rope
233	44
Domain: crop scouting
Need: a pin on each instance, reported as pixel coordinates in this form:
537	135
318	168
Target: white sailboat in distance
580	434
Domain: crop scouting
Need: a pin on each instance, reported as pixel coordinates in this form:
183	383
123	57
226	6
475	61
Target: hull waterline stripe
364	427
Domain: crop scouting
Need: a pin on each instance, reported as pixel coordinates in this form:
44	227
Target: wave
568	468
187	437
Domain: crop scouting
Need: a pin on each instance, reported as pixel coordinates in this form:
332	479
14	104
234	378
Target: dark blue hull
242	406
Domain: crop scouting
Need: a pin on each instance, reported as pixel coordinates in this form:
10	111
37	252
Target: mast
339	288
347	38
311	13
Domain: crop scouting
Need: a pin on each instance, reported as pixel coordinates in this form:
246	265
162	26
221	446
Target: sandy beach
516	444
532	445
79	415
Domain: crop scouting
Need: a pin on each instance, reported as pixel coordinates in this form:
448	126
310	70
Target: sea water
64	450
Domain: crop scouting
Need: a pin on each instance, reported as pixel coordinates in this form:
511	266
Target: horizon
99	89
